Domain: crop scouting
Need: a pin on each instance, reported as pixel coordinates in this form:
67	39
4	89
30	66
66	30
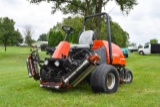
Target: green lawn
17	90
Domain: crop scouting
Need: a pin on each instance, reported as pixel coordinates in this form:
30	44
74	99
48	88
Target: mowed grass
17	90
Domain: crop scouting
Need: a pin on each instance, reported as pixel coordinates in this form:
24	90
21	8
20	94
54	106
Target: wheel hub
110	80
129	77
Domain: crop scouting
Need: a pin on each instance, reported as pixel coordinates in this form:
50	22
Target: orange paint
94	59
117	55
61	50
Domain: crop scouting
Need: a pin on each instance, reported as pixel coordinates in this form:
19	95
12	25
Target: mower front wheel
104	78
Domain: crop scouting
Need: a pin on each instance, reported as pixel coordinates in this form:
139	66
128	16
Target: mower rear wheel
104	78
129	76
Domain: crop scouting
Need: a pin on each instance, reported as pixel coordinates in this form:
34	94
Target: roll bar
108	29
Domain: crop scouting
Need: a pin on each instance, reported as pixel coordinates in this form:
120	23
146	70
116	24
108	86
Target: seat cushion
80	46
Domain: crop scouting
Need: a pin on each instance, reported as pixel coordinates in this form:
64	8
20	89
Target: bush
54	38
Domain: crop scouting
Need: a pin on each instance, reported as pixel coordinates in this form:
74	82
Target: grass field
17	90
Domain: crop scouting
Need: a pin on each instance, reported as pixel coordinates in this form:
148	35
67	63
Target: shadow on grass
83	88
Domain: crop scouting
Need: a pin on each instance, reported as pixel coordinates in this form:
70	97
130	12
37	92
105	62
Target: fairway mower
99	62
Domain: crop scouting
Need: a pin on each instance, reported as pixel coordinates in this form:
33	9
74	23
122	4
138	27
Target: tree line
87	7
74	7
11	36
119	36
84	8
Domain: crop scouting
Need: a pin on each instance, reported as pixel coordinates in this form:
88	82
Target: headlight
56	63
46	62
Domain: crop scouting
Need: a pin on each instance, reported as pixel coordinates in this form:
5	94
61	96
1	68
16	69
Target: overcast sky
142	24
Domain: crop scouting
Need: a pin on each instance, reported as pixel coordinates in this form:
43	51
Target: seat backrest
86	37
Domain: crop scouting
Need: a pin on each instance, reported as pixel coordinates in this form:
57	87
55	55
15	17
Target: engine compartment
56	69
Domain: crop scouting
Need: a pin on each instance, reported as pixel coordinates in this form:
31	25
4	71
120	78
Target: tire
105	79
141	52
29	68
129	76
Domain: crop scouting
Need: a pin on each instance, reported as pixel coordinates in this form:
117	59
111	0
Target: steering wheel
68	29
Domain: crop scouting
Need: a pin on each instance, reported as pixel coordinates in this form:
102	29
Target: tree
16	38
75	22
43	37
153	41
140	46
87	7
54	37
6	30
28	32
119	36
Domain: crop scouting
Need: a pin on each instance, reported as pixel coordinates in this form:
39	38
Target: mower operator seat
86	37
85	40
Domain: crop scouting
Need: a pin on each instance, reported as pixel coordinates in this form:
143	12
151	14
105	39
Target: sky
142	23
